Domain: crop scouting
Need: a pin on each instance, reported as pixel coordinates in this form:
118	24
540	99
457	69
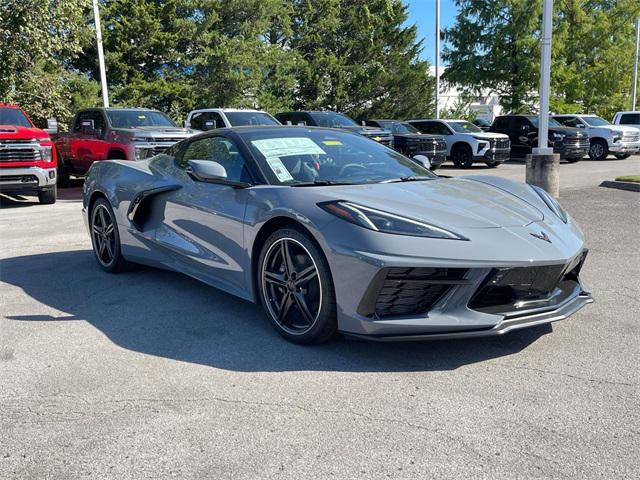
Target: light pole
635	67
543	166
437	58
103	73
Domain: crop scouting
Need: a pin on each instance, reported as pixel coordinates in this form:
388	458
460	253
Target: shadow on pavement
169	315
71	193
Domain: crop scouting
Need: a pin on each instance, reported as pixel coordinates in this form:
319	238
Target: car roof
215	109
628	111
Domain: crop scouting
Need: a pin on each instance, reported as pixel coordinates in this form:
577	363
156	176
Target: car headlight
552	203
385	222
46	151
142	153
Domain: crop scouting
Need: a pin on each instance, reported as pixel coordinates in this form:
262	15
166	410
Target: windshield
552	122
138	118
13	116
595	121
303	156
464	127
333	120
399	128
237	119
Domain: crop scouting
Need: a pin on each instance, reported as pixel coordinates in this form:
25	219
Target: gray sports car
333	232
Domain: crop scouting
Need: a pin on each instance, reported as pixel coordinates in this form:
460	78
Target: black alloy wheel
105	238
462	156
296	289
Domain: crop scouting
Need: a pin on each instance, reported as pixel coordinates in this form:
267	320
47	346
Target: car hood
614	128
158	132
368	131
568	131
445	202
15	132
487	135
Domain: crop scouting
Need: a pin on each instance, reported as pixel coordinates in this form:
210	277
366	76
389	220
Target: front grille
8	154
577	142
158	150
630	137
511	289
15	141
500	143
169	140
410	291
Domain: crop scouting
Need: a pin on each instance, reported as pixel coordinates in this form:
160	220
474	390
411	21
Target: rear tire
462	156
105	238
296	288
622	156
48	196
598	150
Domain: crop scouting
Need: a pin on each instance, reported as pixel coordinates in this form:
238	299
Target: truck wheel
622	156
48	196
599	150
462	156
63	176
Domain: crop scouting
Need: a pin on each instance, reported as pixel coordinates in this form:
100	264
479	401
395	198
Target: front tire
462	156
296	288
599	150
105	238
48	196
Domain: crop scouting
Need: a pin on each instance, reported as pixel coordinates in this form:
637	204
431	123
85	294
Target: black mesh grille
409	291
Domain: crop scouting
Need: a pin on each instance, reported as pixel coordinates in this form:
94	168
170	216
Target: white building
486	105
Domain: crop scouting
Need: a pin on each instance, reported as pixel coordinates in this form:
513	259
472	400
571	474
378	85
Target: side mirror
52	126
206	170
424	161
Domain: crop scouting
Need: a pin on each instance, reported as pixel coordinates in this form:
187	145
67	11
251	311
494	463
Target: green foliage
37	39
495	45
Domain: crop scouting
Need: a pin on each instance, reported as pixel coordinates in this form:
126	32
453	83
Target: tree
494	45
359	57
37	40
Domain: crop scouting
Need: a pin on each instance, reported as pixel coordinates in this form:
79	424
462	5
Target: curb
628	186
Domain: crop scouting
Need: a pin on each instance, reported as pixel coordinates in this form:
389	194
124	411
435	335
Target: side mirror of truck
52	126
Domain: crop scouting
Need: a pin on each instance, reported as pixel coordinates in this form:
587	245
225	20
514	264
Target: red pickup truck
27	156
114	133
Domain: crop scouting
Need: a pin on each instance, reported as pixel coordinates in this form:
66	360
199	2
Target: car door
88	143
202	222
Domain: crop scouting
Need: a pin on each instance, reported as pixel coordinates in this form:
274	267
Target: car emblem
541	236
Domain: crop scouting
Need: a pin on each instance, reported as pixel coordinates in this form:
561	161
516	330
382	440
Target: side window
501	123
98	121
422	126
221	150
520	122
569	121
630	119
283	118
441	129
206	121
82	116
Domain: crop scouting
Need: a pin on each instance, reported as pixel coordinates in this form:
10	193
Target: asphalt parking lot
151	374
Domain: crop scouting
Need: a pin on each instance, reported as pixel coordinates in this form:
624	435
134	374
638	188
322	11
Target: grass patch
629	178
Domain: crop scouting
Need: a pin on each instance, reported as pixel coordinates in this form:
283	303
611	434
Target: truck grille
631	137
410	291
499	143
18	151
577	142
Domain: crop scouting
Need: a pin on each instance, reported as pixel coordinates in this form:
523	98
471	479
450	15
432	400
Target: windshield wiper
320	183
406	179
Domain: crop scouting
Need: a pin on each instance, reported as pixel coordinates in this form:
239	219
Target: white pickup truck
466	143
604	138
628	119
209	118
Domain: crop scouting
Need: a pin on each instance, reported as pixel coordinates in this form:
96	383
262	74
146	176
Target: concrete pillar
543	170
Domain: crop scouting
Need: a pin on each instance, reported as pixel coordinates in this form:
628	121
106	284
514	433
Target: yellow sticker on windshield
332	142
141	117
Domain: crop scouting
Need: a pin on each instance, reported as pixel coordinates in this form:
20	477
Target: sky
423	14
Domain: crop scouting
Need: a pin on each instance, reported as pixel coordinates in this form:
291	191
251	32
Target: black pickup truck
334	120
408	140
571	143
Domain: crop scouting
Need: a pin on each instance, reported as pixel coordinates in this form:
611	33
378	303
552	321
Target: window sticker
332	142
284	147
279	169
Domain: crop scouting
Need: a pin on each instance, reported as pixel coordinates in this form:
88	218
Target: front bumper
493	155
570	151
624	147
26	179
